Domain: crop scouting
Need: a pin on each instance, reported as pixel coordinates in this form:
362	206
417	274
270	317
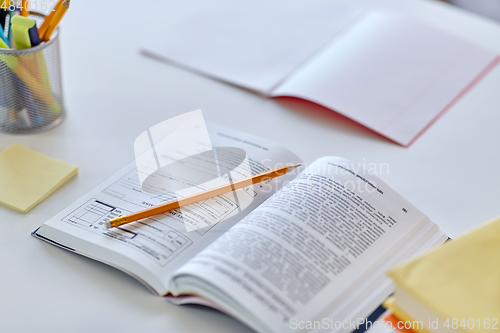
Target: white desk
113	93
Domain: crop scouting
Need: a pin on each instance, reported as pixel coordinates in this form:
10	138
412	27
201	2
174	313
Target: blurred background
488	8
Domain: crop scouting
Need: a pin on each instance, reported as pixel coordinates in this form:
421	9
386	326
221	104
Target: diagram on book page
158	241
162	237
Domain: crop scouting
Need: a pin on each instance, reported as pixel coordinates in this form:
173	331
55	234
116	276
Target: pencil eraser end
107	225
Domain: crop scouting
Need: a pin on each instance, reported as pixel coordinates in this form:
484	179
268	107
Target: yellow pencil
45	25
24	8
54	22
163	208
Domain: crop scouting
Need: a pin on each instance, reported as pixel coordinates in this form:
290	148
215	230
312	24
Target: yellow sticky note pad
27	177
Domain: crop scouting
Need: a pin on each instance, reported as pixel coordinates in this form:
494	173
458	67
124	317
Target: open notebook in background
393	73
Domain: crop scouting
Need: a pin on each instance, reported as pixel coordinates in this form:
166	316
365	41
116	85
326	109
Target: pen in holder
31	98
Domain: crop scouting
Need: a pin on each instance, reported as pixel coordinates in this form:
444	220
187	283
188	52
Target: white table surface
113	93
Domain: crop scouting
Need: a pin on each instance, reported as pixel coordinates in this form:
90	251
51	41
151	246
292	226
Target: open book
391	72
304	246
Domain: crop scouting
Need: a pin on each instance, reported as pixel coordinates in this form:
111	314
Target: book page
392	73
305	247
153	248
253	44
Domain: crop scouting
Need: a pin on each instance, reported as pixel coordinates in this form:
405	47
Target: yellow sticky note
27	177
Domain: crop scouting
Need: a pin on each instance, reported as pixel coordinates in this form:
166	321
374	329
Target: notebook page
394	74
253	44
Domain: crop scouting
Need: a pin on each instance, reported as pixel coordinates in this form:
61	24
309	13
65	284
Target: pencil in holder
31	97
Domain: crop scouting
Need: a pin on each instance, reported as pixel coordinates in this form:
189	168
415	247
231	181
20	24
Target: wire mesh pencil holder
31	98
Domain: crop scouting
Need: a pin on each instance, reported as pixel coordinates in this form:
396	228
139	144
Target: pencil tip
290	168
107	225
